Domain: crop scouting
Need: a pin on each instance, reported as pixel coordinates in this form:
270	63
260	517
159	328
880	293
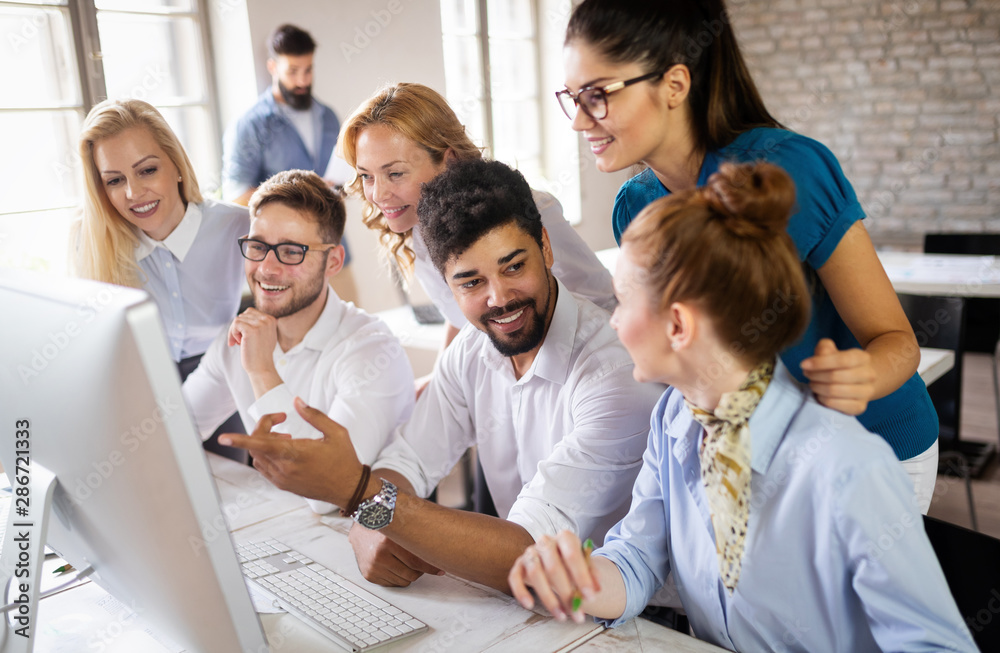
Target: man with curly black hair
462	207
537	381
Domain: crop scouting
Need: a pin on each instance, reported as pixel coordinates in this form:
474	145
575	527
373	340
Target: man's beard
308	292
299	102
531	334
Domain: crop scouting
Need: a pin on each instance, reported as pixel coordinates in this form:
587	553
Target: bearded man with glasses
300	339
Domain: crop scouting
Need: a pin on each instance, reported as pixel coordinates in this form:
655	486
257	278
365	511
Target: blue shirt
195	275
826	207
836	558
264	142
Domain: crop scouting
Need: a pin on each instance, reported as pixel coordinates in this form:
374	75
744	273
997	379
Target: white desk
422	342
919	274
462	616
942	274
934	363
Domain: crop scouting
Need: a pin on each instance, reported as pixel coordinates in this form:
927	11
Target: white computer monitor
87	365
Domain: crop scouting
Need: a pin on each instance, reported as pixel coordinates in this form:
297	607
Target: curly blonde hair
422	115
103	238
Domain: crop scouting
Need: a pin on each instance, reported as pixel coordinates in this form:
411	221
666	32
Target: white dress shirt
574	263
560	447
348	365
195	275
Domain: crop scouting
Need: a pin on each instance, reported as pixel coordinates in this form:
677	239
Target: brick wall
906	94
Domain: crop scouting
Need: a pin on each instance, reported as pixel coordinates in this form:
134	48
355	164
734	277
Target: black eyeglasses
287	253
594	99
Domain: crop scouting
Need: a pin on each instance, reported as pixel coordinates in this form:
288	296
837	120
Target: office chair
940	322
982	313
971	565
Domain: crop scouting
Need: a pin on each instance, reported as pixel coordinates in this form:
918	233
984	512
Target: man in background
286	129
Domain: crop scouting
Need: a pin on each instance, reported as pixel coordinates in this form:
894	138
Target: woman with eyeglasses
405	135
665	85
145	224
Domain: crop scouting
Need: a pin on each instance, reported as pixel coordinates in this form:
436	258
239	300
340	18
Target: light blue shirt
195	275
836	558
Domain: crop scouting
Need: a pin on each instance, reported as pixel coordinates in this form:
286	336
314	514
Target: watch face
375	516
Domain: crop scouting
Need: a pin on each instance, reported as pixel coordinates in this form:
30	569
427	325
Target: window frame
91	87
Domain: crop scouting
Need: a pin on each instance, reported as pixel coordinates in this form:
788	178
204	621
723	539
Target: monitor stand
23	554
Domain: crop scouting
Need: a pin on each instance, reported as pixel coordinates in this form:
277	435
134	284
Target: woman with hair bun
757	500
664	84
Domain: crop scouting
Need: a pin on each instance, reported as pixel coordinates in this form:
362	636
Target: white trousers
922	469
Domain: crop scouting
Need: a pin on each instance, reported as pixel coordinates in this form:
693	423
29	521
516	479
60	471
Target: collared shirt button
169	264
174	293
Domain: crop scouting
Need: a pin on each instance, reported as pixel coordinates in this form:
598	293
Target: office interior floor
979	422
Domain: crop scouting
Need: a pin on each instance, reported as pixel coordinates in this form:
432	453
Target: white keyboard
333	605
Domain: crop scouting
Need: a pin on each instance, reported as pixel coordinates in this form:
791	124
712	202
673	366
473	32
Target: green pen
63	569
588	546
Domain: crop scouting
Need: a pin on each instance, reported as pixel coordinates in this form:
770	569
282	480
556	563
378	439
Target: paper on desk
87	618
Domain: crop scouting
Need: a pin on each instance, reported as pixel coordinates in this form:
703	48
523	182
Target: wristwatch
376	513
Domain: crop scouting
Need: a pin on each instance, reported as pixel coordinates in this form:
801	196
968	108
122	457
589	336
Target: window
497	90
66	56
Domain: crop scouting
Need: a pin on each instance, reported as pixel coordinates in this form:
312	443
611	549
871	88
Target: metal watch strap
377	512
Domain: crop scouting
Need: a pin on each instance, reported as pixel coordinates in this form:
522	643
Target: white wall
363	45
572	165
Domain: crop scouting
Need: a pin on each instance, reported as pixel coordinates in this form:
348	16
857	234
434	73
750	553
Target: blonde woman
404	136
145	224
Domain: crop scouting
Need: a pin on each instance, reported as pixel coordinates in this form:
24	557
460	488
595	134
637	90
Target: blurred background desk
951	283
